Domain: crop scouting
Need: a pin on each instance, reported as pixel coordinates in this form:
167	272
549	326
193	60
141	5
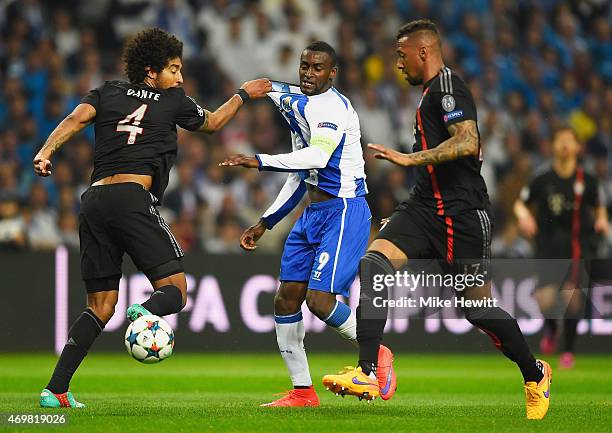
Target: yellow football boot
352	381
538	394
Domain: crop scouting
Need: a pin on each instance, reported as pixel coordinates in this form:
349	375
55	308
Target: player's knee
481	316
320	303
285	305
472	315
374	264
546	297
574	306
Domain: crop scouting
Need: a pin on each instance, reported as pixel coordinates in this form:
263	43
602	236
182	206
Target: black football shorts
122	218
461	243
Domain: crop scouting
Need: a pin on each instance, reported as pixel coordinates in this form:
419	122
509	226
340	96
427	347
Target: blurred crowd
531	65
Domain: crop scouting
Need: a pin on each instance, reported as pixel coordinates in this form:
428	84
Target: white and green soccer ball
149	339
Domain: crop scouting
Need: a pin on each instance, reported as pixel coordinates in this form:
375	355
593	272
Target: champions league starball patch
448	103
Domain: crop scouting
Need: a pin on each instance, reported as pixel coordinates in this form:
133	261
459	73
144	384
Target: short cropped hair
324	47
417	26
152	47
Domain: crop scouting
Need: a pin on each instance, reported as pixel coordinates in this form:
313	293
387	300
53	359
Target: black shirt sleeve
92	98
532	192
189	115
455	101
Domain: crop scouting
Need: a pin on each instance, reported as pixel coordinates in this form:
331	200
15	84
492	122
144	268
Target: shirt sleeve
307	158
92	98
454	100
288	198
190	115
327	124
530	192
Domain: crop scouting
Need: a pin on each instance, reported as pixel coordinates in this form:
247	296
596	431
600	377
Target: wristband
243	95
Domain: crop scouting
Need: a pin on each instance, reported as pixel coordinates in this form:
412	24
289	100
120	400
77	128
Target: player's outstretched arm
463	142
250	90
312	157
80	117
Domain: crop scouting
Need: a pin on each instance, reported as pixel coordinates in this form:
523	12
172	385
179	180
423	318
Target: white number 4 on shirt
131	123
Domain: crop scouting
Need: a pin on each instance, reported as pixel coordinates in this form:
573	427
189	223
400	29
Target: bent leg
170	286
334	313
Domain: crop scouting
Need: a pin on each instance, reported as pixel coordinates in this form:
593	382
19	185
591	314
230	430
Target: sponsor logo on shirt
453	115
328	125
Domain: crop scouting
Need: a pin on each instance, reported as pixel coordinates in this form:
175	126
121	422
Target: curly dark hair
152	47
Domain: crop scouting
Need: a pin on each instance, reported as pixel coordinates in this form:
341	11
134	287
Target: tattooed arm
463	142
82	116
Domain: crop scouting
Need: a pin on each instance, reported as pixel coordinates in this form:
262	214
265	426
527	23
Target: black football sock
570	330
165	300
370	319
81	336
550	326
508	338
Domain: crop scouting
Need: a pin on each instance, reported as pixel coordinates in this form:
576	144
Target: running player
447	216
570	216
135	127
322	252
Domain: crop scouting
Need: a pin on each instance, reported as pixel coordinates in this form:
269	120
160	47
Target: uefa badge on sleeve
448	103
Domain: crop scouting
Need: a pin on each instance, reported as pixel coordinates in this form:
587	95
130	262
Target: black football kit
135	129
447	216
564	210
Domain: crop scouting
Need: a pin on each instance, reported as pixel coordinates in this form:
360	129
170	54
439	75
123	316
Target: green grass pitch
221	393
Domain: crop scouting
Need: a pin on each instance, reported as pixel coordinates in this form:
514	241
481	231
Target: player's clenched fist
42	167
257	88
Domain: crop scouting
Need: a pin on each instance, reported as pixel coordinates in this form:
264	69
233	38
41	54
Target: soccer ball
149	339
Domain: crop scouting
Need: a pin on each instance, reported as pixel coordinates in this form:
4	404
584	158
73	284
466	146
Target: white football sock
290	337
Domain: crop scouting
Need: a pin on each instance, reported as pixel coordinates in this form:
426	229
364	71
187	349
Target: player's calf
170	293
290	333
507	337
81	337
163	301
334	313
370	319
